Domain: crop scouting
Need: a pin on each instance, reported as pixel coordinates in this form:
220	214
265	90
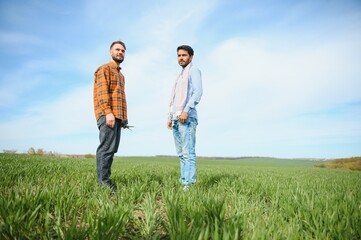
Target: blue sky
280	78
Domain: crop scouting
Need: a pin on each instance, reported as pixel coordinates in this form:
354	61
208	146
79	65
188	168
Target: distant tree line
42	152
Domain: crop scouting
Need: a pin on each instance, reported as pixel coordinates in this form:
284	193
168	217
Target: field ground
255	198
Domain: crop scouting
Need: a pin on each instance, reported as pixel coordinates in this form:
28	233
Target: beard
118	60
183	64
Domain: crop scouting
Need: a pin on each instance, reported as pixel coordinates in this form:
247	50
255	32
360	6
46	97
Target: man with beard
110	107
182	117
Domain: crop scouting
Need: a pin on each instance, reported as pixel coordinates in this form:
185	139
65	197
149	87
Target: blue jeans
109	142
185	141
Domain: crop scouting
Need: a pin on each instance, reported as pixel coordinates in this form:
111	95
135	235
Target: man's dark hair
187	48
118	42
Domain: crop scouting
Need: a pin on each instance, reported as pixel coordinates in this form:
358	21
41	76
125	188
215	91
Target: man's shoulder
105	65
194	70
105	68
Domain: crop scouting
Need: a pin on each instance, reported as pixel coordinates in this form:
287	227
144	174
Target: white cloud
247	75
68	115
255	91
12	88
30	76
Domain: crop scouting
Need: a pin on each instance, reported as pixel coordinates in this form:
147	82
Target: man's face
184	58
117	52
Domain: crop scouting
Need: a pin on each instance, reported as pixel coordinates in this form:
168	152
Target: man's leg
190	147
109	142
187	132
178	145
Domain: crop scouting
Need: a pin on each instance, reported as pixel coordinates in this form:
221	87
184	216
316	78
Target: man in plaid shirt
110	107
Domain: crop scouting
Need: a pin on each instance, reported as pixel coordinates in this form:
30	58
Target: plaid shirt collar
113	64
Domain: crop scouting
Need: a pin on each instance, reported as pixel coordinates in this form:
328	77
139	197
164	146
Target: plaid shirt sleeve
101	92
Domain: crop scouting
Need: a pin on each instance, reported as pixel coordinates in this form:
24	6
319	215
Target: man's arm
196	95
103	96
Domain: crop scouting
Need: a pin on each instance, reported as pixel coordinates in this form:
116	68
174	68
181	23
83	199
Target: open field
255	198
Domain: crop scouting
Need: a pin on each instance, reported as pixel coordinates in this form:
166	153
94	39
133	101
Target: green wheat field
44	197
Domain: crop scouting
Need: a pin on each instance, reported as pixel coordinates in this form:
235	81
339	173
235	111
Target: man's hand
183	117
110	120
169	125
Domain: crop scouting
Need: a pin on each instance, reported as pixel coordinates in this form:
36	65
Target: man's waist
192	113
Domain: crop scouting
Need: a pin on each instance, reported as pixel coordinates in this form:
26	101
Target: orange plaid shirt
109	94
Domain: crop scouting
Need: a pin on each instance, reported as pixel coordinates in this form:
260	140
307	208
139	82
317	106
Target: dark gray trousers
109	142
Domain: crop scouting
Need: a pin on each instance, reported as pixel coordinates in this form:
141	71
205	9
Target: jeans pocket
192	121
101	121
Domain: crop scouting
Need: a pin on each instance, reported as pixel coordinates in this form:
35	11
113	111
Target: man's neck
115	62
